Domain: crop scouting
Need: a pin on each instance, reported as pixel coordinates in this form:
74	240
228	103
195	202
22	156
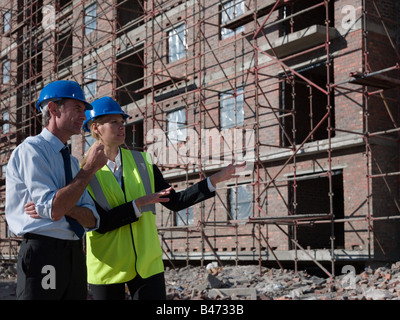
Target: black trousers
51	269
152	288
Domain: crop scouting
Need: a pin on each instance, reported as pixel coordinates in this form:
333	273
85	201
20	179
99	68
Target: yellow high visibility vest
119	255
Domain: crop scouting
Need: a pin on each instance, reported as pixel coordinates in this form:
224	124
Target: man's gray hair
45	110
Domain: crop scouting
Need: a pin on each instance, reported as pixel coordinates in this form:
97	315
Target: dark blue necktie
75	226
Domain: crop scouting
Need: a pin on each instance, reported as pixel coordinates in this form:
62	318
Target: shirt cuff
137	211
96	216
210	186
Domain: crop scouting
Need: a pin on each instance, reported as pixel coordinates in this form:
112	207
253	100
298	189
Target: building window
130	14
130	75
305	106
184	217
64	49
176	126
90	18
177	43
231	109
240	200
309	195
302	20
64	3
229	11
6	71
6	22
3	171
90	83
6	125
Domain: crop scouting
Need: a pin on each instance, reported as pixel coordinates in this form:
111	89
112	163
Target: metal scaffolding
306	87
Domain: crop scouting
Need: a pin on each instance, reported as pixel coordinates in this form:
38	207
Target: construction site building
306	92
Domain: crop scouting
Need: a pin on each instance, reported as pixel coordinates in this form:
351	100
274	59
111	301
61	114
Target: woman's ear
94	128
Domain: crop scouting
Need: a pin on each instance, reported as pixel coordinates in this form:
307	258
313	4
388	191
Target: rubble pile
8	274
8	271
247	283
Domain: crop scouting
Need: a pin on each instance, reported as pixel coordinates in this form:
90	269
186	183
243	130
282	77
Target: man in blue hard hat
47	202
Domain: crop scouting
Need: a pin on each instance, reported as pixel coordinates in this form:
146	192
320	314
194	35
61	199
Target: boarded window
176	43
176	126
90	18
240	201
231	109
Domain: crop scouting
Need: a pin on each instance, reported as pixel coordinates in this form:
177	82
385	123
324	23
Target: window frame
231	104
6	71
180	127
234	205
181	215
90	20
226	7
90	80
173	38
6	126
7	21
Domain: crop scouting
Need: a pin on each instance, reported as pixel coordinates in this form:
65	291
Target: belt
51	240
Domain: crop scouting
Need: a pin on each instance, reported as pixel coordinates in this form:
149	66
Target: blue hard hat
86	125
102	107
62	89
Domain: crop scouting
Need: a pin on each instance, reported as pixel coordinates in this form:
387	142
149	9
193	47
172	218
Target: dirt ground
7	289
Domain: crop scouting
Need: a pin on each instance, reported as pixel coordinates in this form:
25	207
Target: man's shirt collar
55	143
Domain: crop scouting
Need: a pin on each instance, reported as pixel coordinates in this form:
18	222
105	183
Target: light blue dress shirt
35	172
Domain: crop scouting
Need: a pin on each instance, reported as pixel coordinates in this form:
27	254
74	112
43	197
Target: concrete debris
8	270
213	281
245	282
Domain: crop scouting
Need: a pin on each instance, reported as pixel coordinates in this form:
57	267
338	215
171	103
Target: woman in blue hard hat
47	210
125	249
